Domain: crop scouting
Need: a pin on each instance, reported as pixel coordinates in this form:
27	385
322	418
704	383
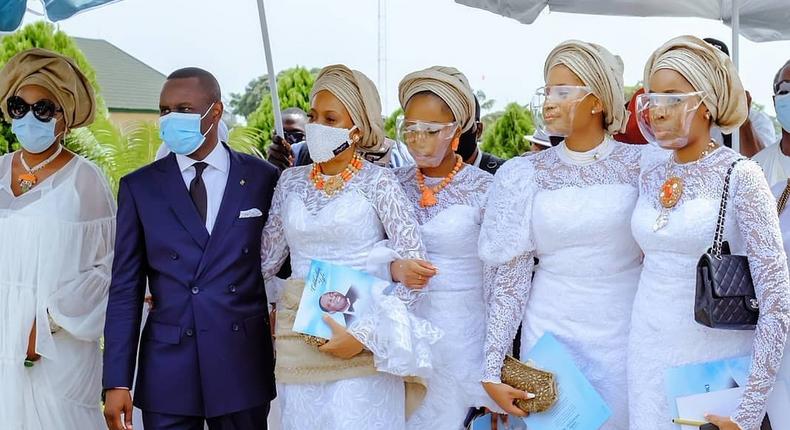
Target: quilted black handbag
725	297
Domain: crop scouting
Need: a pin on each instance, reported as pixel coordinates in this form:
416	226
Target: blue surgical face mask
34	135
181	131
782	105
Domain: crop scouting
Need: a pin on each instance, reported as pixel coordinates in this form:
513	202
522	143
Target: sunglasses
294	136
44	110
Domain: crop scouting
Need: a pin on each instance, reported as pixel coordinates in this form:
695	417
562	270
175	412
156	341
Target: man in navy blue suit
189	226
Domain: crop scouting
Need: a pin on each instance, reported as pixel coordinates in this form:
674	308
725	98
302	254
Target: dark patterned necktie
197	190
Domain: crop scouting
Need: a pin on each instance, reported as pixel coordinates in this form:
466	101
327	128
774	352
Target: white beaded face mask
325	142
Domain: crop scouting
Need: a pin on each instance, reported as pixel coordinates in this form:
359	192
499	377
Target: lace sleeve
506	231
400	223
507	251
757	221
506	289
274	247
397	217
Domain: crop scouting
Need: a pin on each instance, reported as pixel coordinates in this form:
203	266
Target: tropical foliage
117	152
391	124
506	137
294	86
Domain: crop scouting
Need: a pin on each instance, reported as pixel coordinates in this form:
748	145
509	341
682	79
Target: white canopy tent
757	20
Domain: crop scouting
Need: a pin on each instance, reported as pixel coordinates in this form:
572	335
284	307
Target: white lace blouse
343	228
752	229
358	227
507	244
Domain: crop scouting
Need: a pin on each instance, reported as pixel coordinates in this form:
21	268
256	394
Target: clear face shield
554	107
665	118
427	142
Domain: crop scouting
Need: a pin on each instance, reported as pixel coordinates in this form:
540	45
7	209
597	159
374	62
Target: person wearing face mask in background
57	227
290	150
775	159
691	87
337	210
471	153
189	227
754	134
448	197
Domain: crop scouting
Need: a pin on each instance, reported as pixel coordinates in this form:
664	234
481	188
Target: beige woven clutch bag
532	380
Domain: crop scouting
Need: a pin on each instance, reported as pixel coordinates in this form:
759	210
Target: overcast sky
499	56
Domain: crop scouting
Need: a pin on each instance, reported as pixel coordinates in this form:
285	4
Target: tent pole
278	120
735	18
736	31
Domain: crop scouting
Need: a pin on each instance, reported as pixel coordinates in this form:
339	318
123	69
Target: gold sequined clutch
313	340
532	380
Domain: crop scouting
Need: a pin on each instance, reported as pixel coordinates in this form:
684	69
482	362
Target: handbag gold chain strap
782	202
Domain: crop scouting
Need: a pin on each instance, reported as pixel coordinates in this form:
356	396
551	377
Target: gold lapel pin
242	182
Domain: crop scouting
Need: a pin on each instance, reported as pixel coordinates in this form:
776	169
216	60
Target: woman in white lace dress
337	210
675	225
568	206
449	198
57	227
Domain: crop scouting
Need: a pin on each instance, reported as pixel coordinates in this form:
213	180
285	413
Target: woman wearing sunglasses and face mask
692	86
569	206
57	218
337	210
448	197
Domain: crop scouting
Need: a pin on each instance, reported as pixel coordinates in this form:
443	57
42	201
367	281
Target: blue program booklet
714	386
497	422
341	292
579	406
701	378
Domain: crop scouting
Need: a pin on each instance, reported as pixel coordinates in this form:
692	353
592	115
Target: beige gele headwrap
600	70
448	84
59	75
360	97
708	70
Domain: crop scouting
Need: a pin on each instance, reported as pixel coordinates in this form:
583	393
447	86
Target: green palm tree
117	151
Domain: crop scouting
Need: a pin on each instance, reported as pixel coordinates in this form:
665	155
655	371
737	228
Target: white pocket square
250	213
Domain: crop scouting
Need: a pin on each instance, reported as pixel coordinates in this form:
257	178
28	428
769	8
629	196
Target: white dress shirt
775	164
761	124
784	217
215	176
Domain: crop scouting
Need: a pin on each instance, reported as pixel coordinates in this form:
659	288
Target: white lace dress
574	219
663	332
56	249
342	229
453	300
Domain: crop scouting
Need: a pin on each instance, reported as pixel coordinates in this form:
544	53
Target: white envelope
250	213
